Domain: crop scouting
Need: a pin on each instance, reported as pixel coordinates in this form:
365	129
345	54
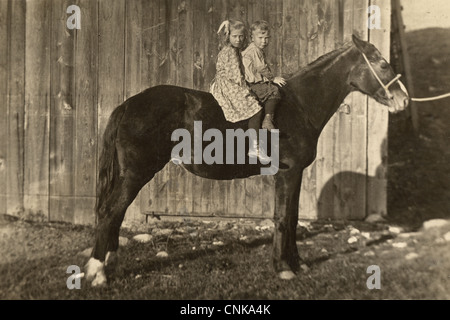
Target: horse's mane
307	77
322	63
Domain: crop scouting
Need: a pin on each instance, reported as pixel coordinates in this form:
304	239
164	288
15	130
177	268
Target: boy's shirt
256	68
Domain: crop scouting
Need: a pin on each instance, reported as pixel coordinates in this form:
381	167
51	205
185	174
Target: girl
229	87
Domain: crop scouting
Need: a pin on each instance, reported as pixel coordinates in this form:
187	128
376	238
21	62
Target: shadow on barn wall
352	196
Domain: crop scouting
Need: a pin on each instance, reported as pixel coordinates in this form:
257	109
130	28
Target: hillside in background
419	166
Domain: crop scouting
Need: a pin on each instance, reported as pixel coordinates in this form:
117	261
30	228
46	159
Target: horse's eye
384	65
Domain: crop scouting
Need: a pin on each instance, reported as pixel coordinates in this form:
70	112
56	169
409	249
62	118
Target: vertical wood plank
150	44
37	97
110	58
3	104
133	50
111	61
133	25
354	187
344	194
214	197
185	72
16	106
202	20
377	124
157	189
164	41
86	113
312	36
291	35
255	12
208	33
273	12
62	116
311	47
309	41
308	199
235	9
200	28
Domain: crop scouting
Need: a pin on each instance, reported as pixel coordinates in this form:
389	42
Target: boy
258	74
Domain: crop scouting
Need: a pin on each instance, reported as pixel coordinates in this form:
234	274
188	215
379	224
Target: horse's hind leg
111	214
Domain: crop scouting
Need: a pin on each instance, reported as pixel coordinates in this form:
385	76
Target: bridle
385	87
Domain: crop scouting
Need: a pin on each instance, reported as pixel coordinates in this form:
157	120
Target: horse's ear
360	44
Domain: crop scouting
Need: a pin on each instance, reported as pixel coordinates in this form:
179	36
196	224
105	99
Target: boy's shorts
265	91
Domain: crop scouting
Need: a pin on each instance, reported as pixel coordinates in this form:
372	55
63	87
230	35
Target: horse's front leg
285	254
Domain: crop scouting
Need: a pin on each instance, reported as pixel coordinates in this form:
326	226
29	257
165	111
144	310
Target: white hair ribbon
226	25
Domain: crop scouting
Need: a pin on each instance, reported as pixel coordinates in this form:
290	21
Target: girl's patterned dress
230	89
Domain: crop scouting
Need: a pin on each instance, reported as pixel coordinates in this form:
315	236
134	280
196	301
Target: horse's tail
109	169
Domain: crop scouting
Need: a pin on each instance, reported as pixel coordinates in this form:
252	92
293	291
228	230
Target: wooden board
62	115
37	107
16	105
377	128
354	191
86	114
3	105
134	12
343	194
292	33
111	59
318	39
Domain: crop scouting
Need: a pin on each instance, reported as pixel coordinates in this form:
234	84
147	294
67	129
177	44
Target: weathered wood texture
58	88
377	124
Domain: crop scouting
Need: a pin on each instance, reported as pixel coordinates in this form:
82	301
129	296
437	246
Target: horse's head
374	76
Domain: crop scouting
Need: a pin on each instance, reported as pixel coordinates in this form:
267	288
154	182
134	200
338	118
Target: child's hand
279	81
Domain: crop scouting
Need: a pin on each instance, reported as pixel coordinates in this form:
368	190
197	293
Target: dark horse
138	144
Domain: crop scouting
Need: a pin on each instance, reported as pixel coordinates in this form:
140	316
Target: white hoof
286	275
95	272
100	280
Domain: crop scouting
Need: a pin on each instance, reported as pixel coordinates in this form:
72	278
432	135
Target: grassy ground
35	256
240	269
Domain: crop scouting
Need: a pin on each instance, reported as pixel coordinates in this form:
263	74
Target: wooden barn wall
59	86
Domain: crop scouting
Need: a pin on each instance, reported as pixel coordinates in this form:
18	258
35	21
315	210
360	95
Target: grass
241	270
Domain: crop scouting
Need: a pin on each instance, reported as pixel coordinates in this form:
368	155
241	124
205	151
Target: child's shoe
256	152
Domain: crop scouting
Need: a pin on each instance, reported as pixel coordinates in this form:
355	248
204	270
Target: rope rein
442	96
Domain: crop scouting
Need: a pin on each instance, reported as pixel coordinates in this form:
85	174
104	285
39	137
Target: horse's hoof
286	275
95	272
99	281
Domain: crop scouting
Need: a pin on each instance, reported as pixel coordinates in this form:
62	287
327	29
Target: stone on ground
375	218
434	223
86	252
123	241
411	255
162	254
143	238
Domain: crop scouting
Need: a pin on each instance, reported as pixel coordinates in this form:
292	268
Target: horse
137	143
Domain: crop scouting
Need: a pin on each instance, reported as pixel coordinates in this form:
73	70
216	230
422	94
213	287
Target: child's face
237	38
260	38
